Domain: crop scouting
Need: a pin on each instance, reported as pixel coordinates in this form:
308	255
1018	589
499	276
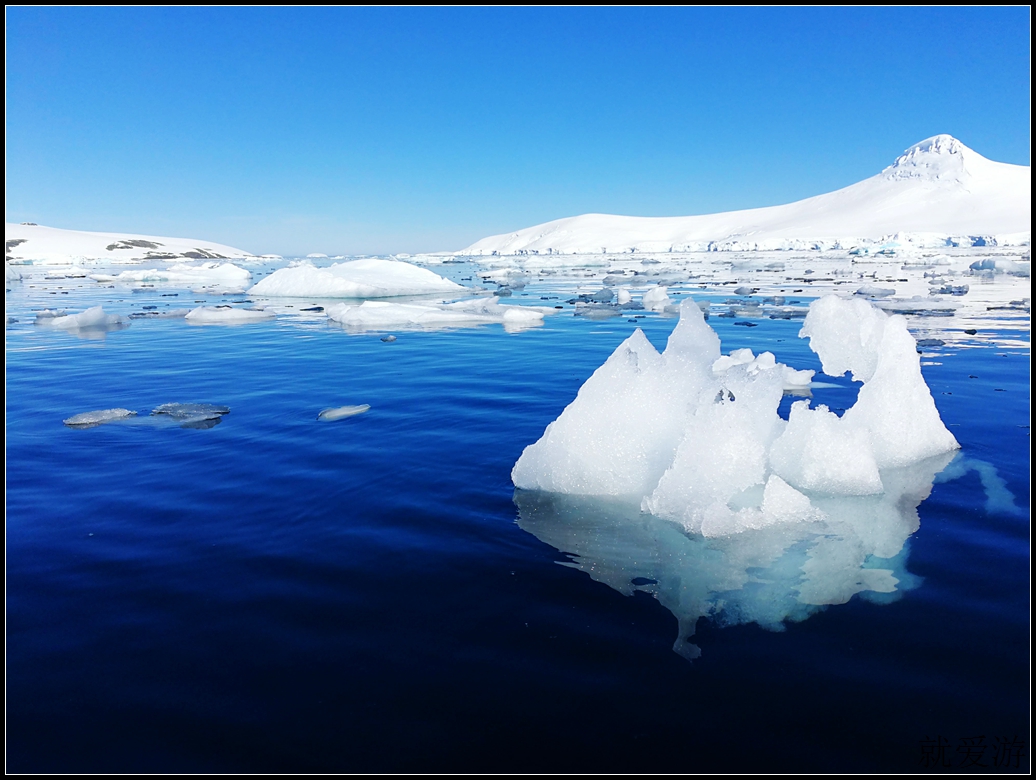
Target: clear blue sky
377	130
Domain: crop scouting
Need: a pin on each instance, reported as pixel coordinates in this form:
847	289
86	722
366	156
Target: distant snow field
937	193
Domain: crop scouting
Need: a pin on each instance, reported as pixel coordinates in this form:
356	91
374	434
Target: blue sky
377	130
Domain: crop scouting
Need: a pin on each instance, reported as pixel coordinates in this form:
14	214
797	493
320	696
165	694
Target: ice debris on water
99	417
341	412
647	426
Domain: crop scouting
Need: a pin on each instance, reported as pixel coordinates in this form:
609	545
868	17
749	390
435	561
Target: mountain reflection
768	576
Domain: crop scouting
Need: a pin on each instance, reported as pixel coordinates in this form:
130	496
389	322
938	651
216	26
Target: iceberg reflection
767	576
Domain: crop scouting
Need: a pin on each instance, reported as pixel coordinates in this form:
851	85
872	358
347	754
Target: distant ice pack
695	436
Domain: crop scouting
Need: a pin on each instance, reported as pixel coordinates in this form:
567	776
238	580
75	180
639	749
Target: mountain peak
939	158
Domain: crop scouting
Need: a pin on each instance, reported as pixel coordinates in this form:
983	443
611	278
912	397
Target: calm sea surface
278	593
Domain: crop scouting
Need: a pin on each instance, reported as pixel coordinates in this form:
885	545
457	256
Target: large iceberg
370	278
695	436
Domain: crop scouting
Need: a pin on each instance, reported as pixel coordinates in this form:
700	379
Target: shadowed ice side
768	576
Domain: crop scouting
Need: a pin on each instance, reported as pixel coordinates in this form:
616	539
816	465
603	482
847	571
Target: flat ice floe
225	315
210	273
98	417
695	436
341	412
379	315
180	415
370	278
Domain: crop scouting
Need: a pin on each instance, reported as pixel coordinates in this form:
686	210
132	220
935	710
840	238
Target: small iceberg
341	412
656	298
93	318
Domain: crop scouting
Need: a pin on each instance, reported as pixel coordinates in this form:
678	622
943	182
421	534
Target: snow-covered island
938	192
31	243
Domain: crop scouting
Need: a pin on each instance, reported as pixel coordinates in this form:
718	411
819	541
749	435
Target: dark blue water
278	593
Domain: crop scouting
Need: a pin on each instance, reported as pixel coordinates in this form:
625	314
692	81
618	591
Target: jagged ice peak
940	157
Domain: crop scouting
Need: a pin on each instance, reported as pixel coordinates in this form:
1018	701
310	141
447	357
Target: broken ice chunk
656	299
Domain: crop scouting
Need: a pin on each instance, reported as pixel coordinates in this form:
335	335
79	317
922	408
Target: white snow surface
368	278
695	436
381	315
55	246
934	193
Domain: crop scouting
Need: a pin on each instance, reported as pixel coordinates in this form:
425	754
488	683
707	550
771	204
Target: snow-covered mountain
938	191
36	243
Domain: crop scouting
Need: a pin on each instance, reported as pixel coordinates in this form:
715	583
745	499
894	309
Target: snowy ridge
28	243
938	192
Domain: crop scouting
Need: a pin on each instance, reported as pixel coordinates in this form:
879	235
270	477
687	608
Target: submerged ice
694	436
813	553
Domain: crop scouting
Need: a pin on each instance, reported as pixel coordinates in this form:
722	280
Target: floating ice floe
225	315
226	274
696	438
873	291
68	273
98	417
378	315
189	415
93	318
1000	265
341	412
371	278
